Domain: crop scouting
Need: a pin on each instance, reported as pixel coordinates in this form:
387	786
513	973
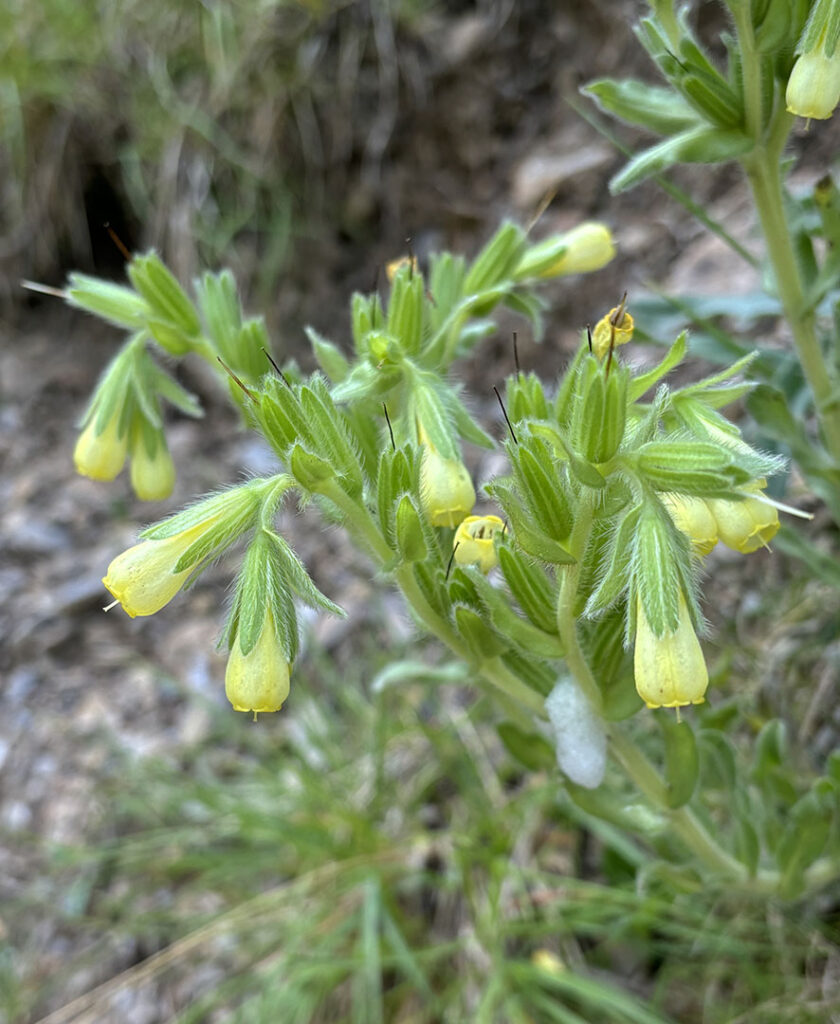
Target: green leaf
682	760
705	145
529	748
639	385
659	108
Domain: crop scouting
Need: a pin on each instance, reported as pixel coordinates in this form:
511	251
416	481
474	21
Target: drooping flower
612	330
152	475
259	679
745	525
101	454
813	89
143	578
670	670
446	489
694	518
474	542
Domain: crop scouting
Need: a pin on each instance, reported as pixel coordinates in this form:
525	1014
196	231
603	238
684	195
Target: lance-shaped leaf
682	760
529	584
706	145
522	633
115	303
496	261
659	108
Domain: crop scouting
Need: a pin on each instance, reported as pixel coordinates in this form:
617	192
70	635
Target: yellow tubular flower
744	525
694	518
446	490
394	267
616	328
152	477
258	680
670	670
142	578
474	542
813	89
102	456
590	247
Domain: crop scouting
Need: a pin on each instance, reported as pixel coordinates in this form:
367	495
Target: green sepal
431	580
601	411
446	281
496	261
115	303
613	570
528	748
233	512
527	637
252	348
564	403
330	357
673	357
309	469
330	432
428	407
366	316
682	760
481	639
525	398
538	259
171	339
530	538
706	145
530	587
159	287
261	587
657	576
542	489
405	309
689	467
298	579
218	301
409	531
658	108
619	699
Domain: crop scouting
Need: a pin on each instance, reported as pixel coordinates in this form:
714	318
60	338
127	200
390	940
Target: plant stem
763	169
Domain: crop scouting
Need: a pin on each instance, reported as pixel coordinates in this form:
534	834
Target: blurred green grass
215	130
375	856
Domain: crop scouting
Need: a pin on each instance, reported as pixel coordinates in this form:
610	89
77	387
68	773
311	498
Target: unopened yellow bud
670	670
446	490
101	456
259	680
813	89
395	266
142	578
474	542
694	518
612	330
152	476
589	247
548	961
745	525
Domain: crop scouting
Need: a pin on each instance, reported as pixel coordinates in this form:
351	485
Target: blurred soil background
300	144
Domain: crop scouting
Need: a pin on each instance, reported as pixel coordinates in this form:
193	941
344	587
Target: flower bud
152	475
446	490
694	518
101	454
259	679
670	670
744	525
475	542
813	89
587	247
143	578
